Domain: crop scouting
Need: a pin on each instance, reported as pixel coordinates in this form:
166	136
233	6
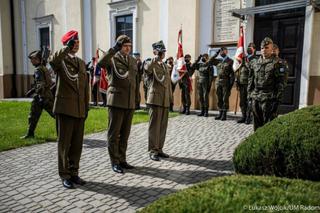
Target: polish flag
180	66
240	52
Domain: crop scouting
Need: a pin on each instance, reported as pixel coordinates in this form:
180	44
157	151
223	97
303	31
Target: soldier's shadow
136	196
220	165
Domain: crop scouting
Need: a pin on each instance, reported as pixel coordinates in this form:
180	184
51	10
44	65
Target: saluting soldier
205	77
224	82
242	84
267	80
121	94
71	106
159	99
42	97
185	85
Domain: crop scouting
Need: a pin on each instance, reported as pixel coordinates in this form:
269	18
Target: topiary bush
239	193
289	146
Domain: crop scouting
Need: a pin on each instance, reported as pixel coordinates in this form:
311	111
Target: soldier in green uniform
122	70
159	99
170	65
224	82
266	84
71	106
136	55
185	85
42	95
202	65
284	64
242	75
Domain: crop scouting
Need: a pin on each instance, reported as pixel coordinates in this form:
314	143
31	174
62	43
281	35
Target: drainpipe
13	43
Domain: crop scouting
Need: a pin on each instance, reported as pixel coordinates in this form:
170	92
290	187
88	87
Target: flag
240	51
97	69
103	84
180	65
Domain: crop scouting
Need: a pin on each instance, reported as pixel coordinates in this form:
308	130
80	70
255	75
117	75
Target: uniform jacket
72	93
267	79
159	92
43	82
121	78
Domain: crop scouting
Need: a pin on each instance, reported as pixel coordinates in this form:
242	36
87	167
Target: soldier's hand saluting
71	43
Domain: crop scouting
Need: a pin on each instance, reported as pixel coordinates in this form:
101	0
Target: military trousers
158	124
138	96
36	110
223	94
70	140
185	95
243	90
203	93
261	112
119	126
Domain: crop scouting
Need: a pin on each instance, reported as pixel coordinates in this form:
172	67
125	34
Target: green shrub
289	146
241	194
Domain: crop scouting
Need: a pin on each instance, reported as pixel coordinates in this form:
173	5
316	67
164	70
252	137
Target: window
124	25
44	37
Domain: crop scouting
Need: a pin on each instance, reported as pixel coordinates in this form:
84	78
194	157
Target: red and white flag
240	51
180	65
103	84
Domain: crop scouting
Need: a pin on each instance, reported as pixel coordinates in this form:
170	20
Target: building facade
27	25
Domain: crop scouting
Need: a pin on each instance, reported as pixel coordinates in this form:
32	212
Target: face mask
249	51
223	55
203	60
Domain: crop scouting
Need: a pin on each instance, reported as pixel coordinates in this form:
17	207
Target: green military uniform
267	80
159	99
71	107
138	80
121	95
42	97
185	87
203	85
224	84
242	76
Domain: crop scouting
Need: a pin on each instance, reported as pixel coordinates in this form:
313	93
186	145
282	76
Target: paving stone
203	149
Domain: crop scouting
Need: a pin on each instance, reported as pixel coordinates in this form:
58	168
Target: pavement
199	148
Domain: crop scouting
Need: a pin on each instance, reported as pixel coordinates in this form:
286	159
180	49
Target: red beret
69	35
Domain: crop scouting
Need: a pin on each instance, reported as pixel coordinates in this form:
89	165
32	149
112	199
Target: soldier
146	83
159	99
42	95
266	84
170	65
205	77
138	78
185	85
122	71
71	106
224	82
242	75
284	64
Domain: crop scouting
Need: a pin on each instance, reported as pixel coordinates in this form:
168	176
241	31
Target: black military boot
218	117
242	119
224	115
30	134
248	119
202	112
171	108
206	112
187	110
183	110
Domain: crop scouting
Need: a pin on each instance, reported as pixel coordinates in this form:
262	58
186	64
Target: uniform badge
282	69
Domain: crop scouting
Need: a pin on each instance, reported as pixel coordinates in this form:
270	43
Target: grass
240	193
14	124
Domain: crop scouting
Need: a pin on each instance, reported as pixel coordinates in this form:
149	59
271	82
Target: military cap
35	54
275	46
122	39
72	34
224	48
251	44
266	41
187	55
159	46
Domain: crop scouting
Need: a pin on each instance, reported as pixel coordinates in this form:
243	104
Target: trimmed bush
289	146
240	193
